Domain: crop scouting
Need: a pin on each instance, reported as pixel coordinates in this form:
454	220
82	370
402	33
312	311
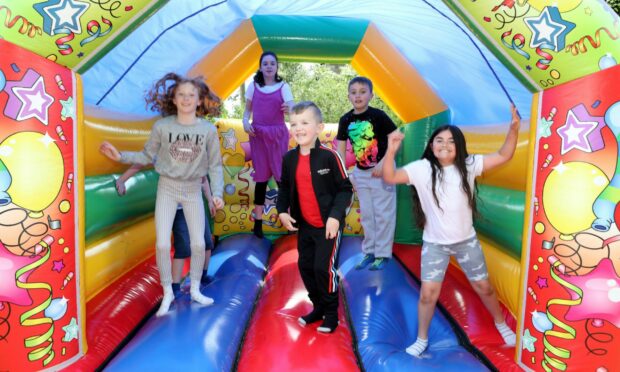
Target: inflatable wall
77	259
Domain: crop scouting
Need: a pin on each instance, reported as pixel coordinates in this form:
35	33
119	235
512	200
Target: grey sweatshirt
183	152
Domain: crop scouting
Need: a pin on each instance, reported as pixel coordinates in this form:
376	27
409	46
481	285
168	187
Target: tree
324	84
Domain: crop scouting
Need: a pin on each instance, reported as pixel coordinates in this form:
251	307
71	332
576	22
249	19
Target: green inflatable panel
501	217
105	210
310	39
417	134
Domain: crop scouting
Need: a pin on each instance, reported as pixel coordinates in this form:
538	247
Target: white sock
507	334
418	347
166	301
194	292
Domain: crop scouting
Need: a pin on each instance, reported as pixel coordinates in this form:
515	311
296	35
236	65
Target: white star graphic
575	133
35	101
230	140
66	14
47	139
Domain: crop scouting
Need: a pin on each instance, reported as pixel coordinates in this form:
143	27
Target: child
444	186
267	100
367	129
319	174
180	232
186	148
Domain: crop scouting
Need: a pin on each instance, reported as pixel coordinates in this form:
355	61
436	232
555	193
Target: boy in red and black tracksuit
313	198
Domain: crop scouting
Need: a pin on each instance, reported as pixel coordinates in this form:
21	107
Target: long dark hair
160	97
460	147
258	77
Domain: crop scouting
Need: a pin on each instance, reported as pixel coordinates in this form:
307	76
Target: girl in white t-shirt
444	206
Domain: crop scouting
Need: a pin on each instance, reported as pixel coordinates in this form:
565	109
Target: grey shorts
468	253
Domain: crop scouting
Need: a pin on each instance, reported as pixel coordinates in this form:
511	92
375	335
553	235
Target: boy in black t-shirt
367	128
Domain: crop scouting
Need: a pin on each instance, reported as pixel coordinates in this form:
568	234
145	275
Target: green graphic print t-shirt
367	133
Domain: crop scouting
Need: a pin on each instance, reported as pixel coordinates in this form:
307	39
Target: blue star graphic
71	330
270	201
61	14
528	341
549	30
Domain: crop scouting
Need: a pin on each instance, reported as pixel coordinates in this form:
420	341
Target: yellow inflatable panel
488	139
503	273
231	61
395	79
113	256
124	131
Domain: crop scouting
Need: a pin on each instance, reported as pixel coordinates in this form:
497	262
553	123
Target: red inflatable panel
275	341
465	307
116	311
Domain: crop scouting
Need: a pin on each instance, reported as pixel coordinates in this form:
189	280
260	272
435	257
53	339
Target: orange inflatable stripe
395	79
231	61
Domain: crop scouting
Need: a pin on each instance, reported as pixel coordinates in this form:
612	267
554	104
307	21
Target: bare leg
487	294
429	293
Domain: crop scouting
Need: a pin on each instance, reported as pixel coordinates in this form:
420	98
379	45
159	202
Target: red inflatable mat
275	341
116	311
465	307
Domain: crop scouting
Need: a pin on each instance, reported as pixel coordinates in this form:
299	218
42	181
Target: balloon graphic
56	309
36	167
568	195
541	322
5	182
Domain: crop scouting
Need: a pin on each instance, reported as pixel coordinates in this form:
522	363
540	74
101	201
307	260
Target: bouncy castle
78	280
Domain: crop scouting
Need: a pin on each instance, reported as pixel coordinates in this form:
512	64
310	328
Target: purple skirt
268	147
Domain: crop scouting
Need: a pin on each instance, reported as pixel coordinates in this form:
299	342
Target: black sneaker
312	317
329	325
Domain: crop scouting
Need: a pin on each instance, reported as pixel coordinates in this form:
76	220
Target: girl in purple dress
268	98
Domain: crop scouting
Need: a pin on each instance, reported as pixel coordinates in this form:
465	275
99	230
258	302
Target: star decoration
549	30
560	168
271	197
544	129
230	140
527	341
47	140
61	15
601	294
541	282
71	330
588	10
68	109
58	265
10	264
28	98
595	138
575	133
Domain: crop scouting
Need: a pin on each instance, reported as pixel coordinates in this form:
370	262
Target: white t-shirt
287	94
452	223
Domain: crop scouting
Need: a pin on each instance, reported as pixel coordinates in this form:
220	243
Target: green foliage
324	84
615	5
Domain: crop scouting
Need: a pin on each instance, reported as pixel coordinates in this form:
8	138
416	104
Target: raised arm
505	153
390	173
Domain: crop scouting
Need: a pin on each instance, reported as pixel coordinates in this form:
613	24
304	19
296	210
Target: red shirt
307	199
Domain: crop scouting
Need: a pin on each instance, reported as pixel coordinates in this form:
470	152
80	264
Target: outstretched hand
287	221
108	149
515	121
394	140
331	228
218	202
